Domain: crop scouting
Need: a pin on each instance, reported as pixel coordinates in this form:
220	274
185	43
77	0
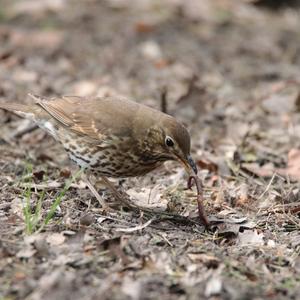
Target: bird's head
170	140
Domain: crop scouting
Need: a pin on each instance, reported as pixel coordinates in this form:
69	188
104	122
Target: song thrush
111	137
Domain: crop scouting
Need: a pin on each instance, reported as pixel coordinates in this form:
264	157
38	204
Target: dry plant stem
136	228
202	214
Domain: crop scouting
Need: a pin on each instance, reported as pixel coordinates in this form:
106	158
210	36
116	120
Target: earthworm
201	210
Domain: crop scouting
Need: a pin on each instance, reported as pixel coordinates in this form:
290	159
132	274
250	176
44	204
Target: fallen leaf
34	7
293	166
266	170
39	175
251	237
213	286
243	195
209	260
132	288
207	165
56	239
149	197
151	50
142	27
27	252
84	88
282	102
17	208
51	39
66	173
19	276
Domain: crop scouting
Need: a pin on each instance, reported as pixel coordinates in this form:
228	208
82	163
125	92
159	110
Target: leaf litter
229	71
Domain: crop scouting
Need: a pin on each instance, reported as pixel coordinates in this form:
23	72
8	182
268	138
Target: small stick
136	228
201	210
163	100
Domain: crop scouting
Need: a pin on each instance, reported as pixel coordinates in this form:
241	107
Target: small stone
87	219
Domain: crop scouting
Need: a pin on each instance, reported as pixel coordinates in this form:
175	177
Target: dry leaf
251	237
56	239
27	252
38	39
209	260
148	197
243	197
34	7
293	167
213	286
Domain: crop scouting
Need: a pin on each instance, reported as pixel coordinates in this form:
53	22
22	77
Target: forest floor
231	74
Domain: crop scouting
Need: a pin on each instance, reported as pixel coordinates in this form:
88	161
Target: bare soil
230	71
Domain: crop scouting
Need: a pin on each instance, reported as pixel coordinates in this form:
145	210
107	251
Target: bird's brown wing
56	108
93	117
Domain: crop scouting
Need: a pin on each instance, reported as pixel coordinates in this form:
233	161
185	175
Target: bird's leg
103	204
121	198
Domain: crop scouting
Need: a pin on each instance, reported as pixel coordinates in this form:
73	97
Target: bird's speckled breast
111	156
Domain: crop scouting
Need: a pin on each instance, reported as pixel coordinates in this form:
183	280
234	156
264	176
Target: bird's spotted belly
105	159
127	166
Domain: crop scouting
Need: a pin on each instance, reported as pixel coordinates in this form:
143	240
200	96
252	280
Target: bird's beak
192	164
189	164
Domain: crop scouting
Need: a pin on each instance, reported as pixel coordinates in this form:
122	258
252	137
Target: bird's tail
15	107
23	110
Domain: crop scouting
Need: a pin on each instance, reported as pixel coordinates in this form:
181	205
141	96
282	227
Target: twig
22	131
290	207
165	239
163	100
268	187
136	228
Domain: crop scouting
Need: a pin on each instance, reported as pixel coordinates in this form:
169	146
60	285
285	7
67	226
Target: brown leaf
293	167
115	246
207	165
56	239
66	173
39	175
209	260
142	27
244	197
266	170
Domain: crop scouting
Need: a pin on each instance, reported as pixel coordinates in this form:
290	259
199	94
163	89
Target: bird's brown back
98	116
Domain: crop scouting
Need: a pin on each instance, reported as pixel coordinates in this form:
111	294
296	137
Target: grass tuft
35	220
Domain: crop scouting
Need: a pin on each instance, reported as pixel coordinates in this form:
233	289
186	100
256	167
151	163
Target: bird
109	136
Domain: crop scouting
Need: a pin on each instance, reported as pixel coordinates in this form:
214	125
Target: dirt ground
230	71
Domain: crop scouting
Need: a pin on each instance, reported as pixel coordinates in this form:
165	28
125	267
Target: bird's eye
169	142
